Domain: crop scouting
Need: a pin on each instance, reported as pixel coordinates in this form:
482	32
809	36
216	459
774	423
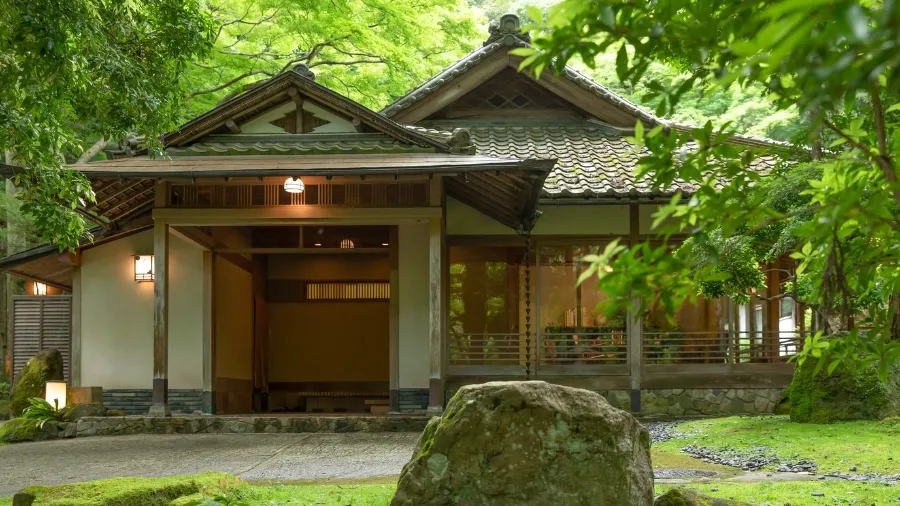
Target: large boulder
46	366
852	392
685	497
528	443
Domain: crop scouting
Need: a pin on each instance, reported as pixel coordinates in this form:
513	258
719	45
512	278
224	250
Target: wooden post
75	357
436	323
635	325
394	321
260	334
160	405
771	334
208	333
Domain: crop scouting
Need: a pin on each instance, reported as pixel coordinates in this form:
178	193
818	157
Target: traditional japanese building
297	251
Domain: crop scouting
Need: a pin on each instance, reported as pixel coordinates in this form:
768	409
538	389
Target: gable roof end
272	90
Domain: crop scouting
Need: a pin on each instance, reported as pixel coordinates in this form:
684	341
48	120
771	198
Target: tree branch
351	62
229	83
92	151
853	142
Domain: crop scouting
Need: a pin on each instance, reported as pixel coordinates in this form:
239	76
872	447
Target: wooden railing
606	353
720	347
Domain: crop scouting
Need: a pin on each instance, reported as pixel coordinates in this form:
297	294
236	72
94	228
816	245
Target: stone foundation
138	401
678	402
413	400
125	425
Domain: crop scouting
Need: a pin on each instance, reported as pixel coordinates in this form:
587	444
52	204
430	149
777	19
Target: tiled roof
311	145
510	41
592	162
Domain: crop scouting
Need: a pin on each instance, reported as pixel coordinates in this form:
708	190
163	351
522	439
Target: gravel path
249	456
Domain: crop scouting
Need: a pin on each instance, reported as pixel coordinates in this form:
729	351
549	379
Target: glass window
486	306
574	329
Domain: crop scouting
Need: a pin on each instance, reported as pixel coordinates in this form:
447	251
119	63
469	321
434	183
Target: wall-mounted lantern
144	268
56	394
40	288
292	185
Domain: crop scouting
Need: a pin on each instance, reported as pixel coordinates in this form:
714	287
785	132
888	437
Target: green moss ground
800	493
861	443
126	491
379	494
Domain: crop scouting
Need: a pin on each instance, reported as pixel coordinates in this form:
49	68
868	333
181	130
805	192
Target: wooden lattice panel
239	195
41	322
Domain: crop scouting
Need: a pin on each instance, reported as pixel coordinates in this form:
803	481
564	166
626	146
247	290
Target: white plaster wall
414	324
582	220
555	220
117	315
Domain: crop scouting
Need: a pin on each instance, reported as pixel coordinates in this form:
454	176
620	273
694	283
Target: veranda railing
606	353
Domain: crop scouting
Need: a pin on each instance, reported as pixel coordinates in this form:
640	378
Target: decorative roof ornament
506	30
303	71
461	142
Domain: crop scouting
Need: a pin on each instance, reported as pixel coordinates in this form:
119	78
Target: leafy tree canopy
832	61
369	50
87	68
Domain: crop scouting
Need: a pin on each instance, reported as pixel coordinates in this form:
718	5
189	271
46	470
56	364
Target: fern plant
41	411
4	390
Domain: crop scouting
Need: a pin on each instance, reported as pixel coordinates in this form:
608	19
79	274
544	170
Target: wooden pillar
260	334
160	405
436	322
208	332
75	356
771	326
394	321
635	324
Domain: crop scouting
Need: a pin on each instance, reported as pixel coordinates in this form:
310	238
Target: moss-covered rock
783	404
852	392
20	430
685	497
130	491
41	368
523	443
73	412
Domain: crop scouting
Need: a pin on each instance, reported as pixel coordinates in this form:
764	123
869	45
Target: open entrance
302	319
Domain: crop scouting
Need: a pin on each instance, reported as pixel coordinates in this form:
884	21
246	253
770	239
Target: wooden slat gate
40	322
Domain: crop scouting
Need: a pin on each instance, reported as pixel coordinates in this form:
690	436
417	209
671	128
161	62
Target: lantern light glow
56	394
292	185
144	268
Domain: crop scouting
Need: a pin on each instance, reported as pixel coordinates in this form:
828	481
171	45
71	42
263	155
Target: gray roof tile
592	162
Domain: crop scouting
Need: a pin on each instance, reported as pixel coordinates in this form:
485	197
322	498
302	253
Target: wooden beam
463	84
394	321
235	129
296	215
435	317
120	191
160	405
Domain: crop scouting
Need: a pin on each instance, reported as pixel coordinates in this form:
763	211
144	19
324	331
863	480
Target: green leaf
534	13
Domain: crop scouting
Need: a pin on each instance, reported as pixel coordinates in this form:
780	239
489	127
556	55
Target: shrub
41	411
852	392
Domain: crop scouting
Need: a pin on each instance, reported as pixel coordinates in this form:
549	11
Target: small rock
818	494
23	499
852	468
